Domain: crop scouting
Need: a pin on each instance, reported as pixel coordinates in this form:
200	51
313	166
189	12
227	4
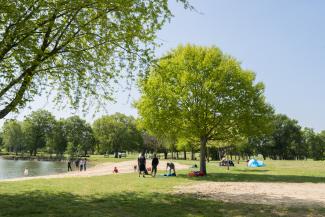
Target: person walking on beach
77	163
142	165
69	165
85	164
81	164
154	165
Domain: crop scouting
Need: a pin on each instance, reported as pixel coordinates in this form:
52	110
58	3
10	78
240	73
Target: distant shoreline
34	158
99	170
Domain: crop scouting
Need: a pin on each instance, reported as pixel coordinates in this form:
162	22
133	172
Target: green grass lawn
128	195
97	159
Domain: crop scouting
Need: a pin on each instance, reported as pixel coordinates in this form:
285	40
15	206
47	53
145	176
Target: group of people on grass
143	170
81	164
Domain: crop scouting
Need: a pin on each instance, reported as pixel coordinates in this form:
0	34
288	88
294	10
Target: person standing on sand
81	164
69	165
85	164
142	165
77	163
154	165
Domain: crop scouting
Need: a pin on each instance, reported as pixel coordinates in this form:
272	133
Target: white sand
258	192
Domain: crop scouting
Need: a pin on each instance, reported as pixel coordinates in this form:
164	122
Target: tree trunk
177	155
207	155
184	155
165	154
192	153
203	155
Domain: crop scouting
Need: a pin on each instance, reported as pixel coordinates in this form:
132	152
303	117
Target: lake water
15	168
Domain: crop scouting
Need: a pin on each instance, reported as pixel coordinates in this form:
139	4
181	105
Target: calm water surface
15	168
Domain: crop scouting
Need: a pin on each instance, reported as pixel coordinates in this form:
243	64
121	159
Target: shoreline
98	170
33	158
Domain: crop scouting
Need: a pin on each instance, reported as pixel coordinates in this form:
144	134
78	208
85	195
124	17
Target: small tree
13	137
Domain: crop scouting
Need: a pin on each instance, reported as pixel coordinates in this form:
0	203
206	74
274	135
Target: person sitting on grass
142	165
171	167
115	170
135	168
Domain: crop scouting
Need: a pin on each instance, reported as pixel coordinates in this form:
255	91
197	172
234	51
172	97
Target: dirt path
99	170
259	193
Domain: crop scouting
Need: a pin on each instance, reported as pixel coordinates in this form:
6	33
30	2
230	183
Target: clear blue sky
282	41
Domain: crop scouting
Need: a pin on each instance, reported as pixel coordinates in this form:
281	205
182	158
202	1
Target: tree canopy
117	133
75	49
201	92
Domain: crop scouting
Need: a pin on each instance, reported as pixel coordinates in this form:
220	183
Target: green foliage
80	136
1	140
57	139
13	137
316	143
116	133
37	127
200	92
75	49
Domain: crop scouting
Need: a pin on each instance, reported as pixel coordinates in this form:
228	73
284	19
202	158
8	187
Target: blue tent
255	163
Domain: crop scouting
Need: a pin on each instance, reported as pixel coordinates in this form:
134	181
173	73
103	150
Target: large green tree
73	48
287	139
314	143
116	133
202	93
37	127
80	136
57	139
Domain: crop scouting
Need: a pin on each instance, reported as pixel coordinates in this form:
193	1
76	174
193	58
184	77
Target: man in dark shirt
142	165
69	165
154	165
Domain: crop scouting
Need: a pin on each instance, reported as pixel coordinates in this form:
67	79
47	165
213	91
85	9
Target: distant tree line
40	131
111	134
286	141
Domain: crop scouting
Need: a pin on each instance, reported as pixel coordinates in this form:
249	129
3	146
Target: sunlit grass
129	195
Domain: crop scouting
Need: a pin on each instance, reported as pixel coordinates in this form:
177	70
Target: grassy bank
128	195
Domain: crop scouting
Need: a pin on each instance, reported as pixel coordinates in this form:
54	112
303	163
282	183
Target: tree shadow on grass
251	177
251	171
37	203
